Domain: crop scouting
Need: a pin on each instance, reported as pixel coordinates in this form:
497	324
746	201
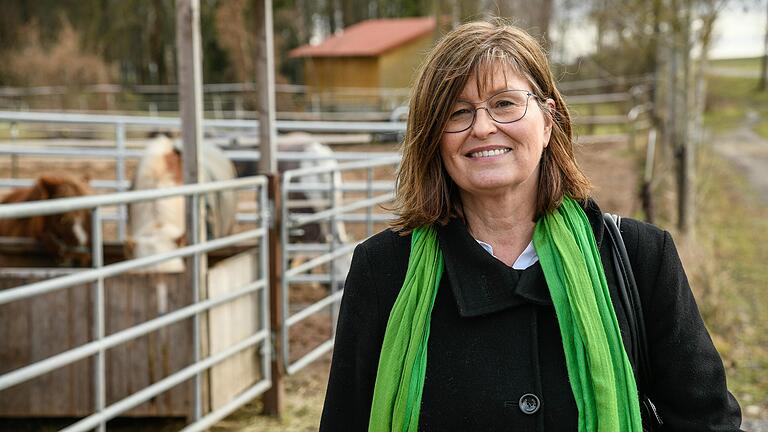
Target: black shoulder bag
630	301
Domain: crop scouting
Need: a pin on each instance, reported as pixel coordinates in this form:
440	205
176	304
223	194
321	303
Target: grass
725	259
748	63
726	267
730	99
304	396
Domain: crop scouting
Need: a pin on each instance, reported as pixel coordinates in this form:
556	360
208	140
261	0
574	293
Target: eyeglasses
507	106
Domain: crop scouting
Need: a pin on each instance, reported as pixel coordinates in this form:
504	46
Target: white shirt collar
525	260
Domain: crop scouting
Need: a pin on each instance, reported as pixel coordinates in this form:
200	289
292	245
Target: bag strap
629	297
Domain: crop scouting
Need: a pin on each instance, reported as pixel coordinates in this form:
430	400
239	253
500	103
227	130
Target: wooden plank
16	331
36	328
132	366
230	323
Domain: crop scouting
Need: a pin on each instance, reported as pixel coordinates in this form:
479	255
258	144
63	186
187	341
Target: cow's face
67	235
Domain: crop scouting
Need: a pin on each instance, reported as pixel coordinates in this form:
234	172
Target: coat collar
482	284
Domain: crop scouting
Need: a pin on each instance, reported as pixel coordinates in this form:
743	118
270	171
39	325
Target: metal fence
101	342
235	131
225	100
231	100
337	213
328	192
325	191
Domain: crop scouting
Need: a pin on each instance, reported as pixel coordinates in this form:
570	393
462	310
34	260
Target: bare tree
763	85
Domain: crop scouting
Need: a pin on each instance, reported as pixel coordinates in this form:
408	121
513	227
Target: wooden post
274	398
265	86
686	185
191	101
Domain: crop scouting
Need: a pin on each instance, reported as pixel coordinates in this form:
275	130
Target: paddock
188	349
110	332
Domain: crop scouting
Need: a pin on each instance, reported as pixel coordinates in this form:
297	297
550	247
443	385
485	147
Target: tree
763	85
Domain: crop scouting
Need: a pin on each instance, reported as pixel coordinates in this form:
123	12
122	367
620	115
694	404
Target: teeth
488	153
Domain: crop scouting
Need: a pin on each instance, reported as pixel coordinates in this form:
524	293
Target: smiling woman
492	303
492	152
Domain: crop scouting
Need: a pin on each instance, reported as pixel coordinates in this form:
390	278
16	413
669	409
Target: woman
490	304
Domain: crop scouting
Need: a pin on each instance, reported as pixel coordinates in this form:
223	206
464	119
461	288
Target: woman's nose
484	124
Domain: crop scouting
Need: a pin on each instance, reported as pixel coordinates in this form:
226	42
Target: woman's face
492	158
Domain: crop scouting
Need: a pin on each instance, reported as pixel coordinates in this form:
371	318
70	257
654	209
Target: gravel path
755	425
748	150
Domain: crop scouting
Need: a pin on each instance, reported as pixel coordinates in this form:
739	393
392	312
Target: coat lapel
482	284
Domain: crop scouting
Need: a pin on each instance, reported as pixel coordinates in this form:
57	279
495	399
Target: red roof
369	38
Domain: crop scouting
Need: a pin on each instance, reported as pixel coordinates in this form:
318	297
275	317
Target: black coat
494	339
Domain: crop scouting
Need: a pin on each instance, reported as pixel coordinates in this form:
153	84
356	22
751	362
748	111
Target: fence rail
327	258
329	254
232	99
101	342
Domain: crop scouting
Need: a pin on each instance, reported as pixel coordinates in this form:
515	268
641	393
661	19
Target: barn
373	54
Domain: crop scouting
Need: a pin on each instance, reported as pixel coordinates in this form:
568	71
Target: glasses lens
508	106
461	117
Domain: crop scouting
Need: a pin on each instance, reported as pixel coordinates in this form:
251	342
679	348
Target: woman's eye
504	103
460	112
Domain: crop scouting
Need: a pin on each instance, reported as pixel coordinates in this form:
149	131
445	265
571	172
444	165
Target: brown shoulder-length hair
425	193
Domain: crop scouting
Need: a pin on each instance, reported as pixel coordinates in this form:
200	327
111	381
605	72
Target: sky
739	33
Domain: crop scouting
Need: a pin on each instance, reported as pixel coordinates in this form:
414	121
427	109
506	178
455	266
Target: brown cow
65	236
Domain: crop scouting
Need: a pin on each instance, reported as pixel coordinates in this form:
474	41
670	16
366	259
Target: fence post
190	77
99	320
646	193
274	398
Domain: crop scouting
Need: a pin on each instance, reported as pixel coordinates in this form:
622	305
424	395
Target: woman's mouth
488	153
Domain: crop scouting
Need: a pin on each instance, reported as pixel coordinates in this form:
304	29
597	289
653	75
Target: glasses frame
528	95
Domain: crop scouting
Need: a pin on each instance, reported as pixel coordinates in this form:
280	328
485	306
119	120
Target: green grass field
748	63
731	247
729	100
729	273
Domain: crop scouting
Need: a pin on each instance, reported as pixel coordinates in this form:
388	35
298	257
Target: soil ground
611	167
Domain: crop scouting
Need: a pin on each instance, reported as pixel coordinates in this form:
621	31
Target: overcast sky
739	33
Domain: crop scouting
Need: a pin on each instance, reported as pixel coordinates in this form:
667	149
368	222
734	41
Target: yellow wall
326	72
393	69
397	67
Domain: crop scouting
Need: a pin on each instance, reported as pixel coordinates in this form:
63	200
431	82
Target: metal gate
101	342
333	211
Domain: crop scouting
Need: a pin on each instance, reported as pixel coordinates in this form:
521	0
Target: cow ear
44	188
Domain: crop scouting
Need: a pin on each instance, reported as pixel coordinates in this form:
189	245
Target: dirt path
748	150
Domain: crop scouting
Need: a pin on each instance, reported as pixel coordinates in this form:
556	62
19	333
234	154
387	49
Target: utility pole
274	398
191	102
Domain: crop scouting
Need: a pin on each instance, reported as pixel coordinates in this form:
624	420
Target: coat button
529	403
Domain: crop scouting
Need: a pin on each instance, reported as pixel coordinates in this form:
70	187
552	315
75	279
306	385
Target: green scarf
598	367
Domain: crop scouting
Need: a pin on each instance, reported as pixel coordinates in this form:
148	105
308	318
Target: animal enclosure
234	303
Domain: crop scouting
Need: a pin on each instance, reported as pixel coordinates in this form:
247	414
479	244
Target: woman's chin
491	186
500	184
